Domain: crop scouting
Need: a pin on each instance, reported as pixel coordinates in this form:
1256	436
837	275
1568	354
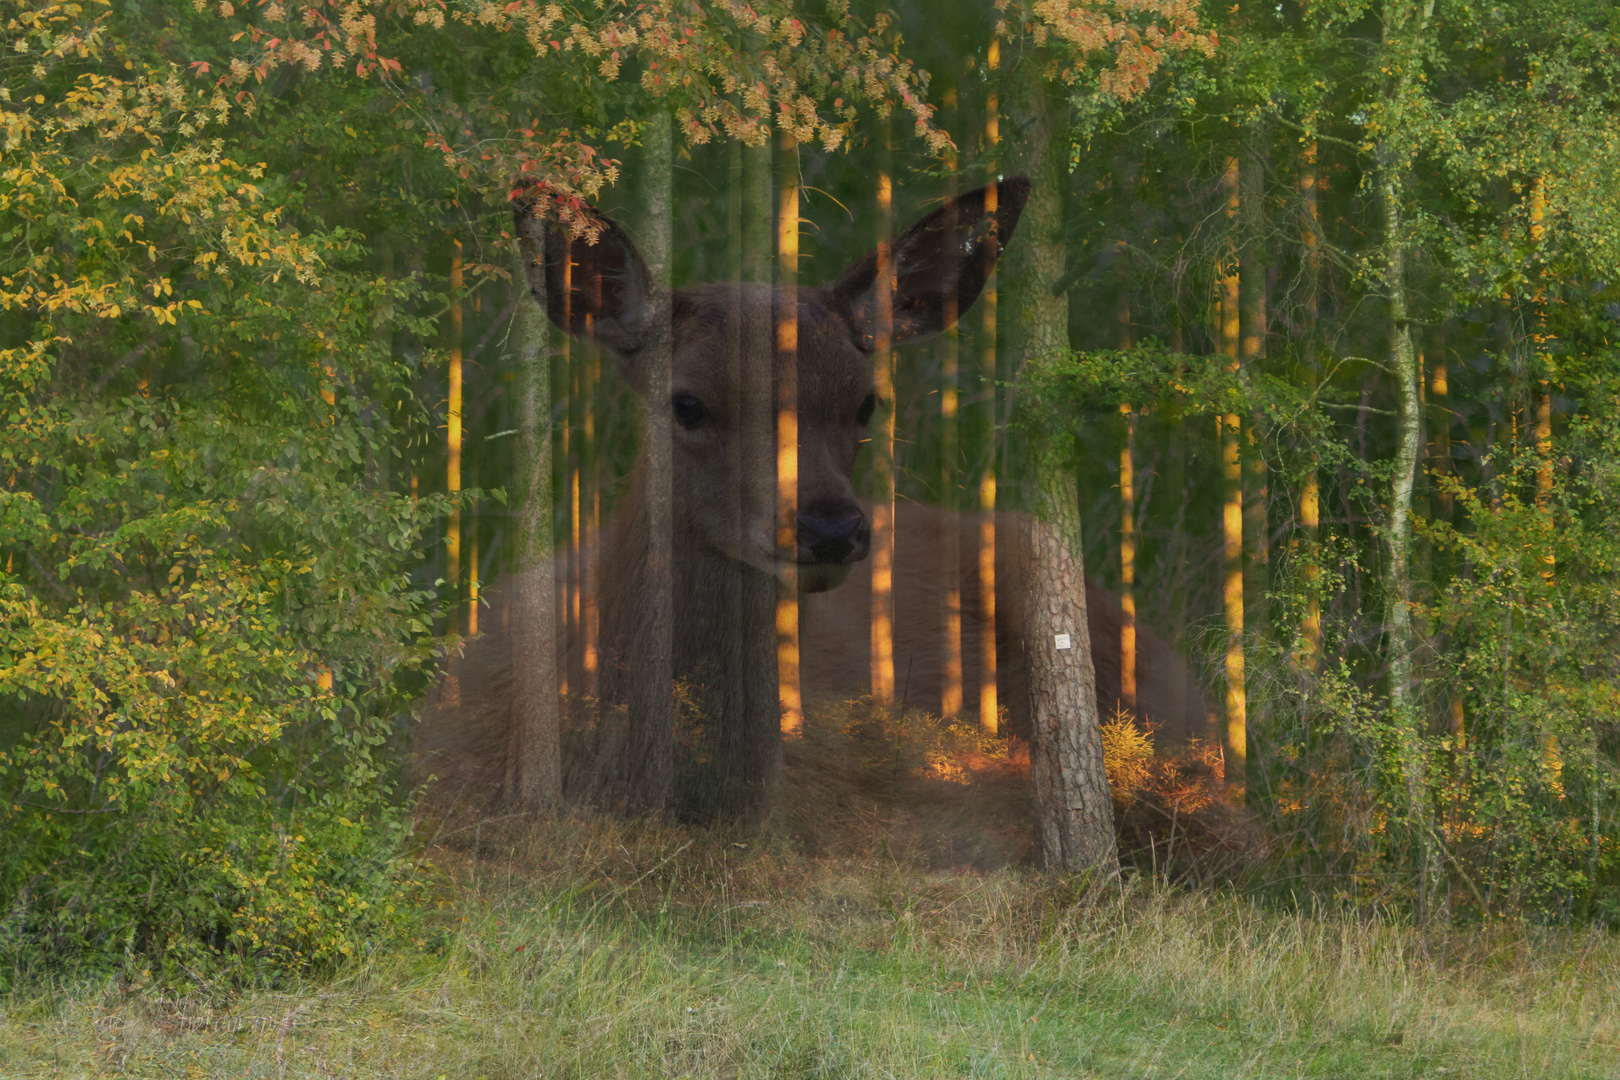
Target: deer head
726	365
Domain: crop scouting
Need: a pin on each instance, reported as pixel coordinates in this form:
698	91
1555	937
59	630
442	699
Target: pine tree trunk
989	307
1228	429
533	777
882	449
1073	808
787	442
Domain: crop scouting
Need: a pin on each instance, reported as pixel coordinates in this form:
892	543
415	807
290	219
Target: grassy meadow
864	934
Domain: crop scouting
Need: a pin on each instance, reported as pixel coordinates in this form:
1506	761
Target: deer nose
830	532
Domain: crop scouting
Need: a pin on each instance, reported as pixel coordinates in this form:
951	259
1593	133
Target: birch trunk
1400	22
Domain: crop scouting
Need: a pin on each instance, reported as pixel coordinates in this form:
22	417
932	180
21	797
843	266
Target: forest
397	391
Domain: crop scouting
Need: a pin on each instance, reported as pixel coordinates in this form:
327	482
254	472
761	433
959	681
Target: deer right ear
599	292
939	266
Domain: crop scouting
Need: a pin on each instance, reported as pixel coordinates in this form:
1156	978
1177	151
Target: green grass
598	948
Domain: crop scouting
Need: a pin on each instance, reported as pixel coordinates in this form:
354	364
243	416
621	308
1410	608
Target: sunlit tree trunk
787	443
989	708
651	698
1127	513
882	635
1440	425
1073	808
452	534
533	776
951	560
1310	509
590	562
1237	703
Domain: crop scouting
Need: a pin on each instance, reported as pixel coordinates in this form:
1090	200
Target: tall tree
650	652
533	777
1073	808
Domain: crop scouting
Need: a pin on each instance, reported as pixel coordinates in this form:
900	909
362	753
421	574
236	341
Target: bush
207	621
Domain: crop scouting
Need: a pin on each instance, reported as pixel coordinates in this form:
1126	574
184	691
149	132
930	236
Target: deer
727	366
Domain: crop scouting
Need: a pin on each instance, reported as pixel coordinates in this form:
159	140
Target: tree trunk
882	450
1073	808
748	708
787	442
452	426
1310	650
1256	526
989	304
1127	506
651	698
533	777
1229	426
1401	55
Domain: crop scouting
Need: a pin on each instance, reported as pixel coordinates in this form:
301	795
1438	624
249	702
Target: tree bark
533	776
989	305
1073	808
882	449
1228	428
787	441
1400	22
651	697
747	704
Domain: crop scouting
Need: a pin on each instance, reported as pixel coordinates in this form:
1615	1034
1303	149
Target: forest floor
591	946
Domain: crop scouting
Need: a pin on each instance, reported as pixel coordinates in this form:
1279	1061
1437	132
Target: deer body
935	550
727	369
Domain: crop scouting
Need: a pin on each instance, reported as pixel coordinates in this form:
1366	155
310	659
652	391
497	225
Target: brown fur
726	566
836	634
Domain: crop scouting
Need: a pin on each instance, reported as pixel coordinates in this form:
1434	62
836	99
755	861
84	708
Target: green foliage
207	622
1531	633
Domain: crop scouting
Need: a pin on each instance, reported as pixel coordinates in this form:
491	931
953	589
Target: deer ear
601	292
940	265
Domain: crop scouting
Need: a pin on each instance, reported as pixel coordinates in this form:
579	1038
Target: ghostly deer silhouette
727	364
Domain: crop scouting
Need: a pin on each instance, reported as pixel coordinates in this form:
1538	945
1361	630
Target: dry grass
837	944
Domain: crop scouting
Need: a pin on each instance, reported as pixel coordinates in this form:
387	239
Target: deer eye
868	407
689	411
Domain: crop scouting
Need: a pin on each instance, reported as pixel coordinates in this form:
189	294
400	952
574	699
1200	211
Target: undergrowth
846	942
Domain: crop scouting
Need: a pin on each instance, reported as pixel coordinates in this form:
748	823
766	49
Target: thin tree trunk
1255	321
533	776
1403	364
989	706
882	543
749	706
1310	512
951	559
1127	510
452	536
1237	698
651	697
787	442
1073	808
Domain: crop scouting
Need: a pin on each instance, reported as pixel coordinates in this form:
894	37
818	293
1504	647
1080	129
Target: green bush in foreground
206	615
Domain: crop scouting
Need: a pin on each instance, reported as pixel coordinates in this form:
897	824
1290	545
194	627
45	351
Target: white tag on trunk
1063	642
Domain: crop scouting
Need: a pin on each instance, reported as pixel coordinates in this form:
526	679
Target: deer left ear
597	289
939	265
